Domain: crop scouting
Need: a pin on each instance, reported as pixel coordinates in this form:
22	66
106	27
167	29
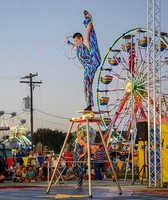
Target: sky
31	41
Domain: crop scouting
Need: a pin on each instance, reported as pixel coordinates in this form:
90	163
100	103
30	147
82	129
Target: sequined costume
91	60
80	151
78	163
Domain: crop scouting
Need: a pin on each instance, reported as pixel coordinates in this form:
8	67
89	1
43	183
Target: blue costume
91	60
78	164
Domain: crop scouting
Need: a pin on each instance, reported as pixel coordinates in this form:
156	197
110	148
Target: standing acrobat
89	56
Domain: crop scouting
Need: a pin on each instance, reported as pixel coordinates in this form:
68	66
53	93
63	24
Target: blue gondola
104	101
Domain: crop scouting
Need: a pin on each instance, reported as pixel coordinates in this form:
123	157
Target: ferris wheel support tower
154	92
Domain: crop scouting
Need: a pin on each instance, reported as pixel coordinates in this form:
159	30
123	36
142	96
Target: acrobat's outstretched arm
73	46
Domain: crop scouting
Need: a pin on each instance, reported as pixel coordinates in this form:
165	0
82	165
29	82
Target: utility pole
32	84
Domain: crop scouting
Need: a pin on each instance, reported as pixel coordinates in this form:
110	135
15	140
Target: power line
52	115
51	122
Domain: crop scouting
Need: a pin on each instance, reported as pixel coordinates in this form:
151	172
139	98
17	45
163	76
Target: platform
86	120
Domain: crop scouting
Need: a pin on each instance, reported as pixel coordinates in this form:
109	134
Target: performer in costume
79	157
89	56
80	151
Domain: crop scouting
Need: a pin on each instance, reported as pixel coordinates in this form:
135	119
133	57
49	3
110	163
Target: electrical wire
60	117
51	122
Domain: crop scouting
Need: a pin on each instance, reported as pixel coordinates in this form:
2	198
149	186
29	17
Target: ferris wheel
122	81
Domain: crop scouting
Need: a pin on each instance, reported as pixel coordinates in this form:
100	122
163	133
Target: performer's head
78	38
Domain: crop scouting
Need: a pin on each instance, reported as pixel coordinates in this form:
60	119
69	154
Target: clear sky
31	40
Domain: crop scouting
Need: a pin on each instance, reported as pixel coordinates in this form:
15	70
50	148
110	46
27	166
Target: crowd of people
33	169
25	167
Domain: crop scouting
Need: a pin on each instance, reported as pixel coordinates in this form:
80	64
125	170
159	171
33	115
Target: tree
54	139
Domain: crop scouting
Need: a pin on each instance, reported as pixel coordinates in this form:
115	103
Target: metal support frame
154	91
85	120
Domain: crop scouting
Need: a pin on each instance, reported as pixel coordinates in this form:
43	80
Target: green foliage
54	139
98	137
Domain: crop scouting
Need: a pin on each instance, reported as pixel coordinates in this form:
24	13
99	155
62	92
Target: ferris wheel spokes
126	63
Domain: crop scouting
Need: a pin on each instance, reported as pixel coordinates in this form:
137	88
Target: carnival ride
122	82
18	137
14	130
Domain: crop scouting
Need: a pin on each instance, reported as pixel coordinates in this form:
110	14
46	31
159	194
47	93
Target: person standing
33	160
68	157
88	55
101	158
19	156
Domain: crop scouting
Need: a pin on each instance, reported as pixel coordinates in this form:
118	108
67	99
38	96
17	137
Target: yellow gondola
113	61
106	79
143	42
128	46
162	46
123	47
166	60
107	120
104	101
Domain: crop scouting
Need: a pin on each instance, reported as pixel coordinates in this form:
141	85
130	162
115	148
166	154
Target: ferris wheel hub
129	87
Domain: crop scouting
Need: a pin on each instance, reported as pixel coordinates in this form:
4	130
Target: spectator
119	164
101	157
118	158
33	159
30	175
18	174
9	172
68	157
19	156
123	155
44	169
24	173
